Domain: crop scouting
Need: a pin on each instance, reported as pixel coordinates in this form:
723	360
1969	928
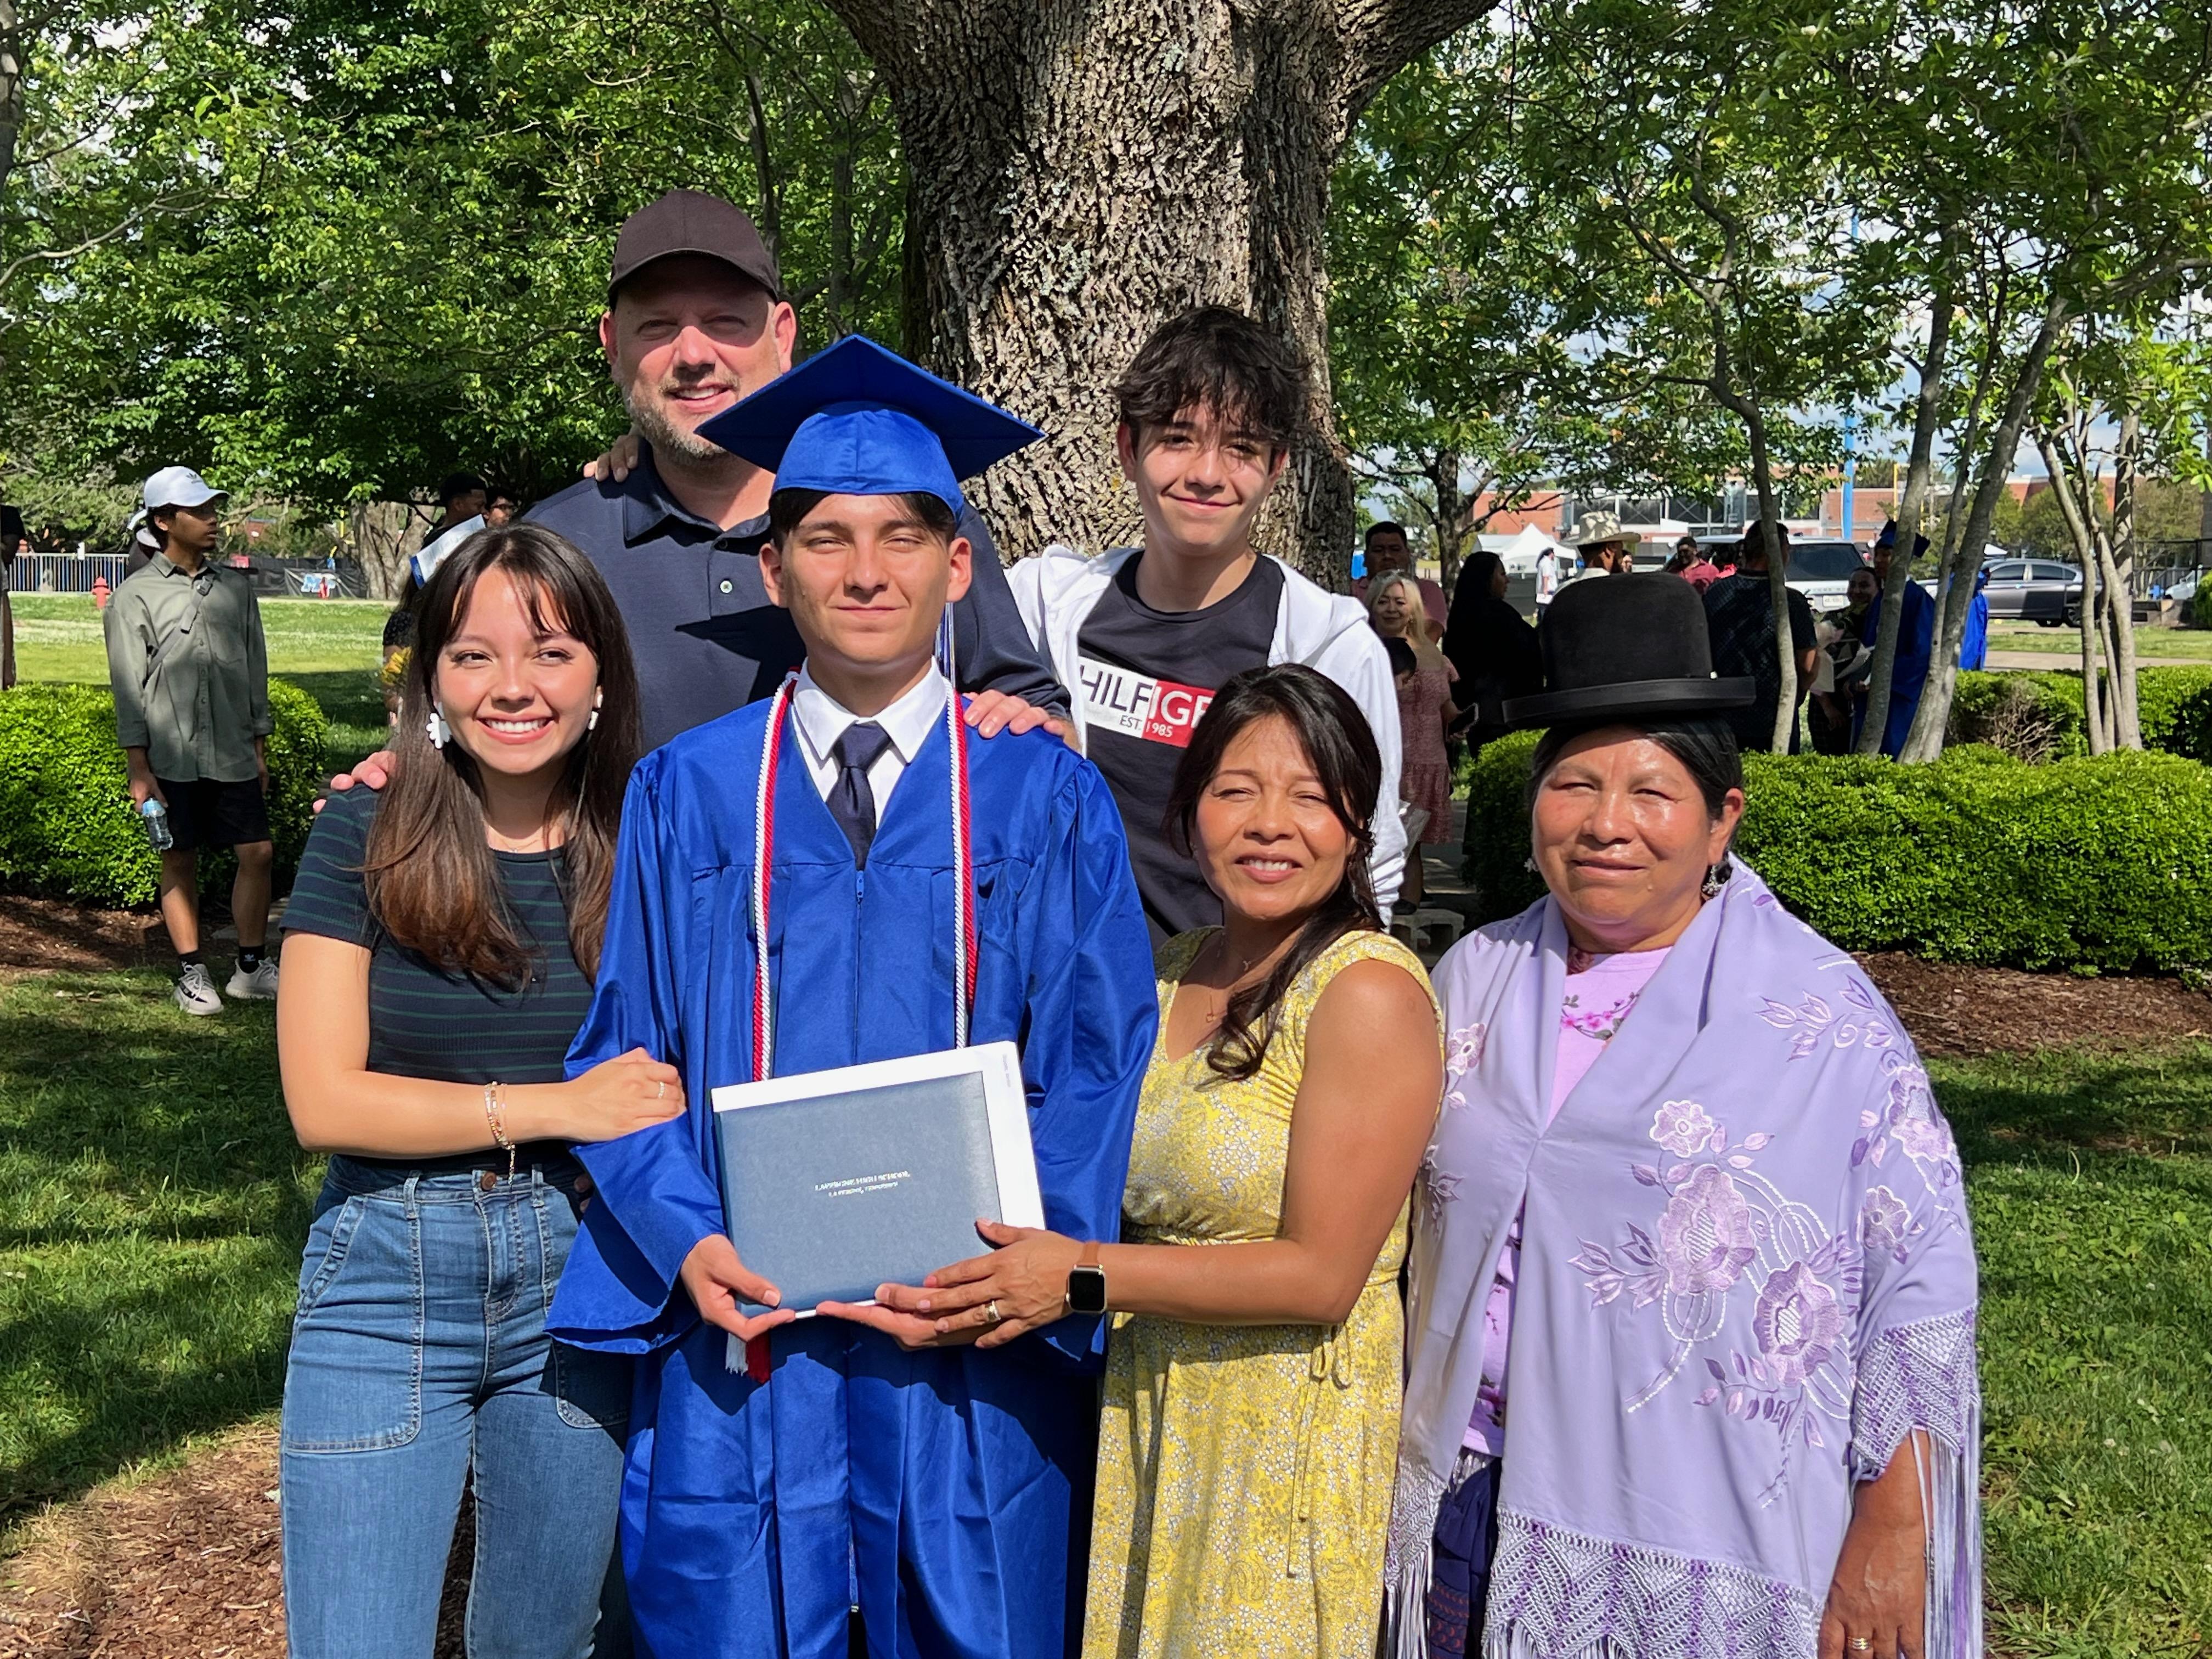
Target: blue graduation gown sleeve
1092	1005
1916	654
653	1197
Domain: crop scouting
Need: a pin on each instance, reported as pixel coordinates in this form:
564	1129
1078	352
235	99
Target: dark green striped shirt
427	1023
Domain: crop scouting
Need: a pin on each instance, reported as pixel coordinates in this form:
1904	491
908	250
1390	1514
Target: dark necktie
852	802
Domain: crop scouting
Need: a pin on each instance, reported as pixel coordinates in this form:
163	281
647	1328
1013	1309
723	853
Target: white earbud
592	724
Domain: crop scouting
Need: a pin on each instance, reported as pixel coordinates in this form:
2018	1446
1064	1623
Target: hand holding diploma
717	1281
1023	1279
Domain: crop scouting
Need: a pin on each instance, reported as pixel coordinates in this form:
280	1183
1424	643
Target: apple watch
1087	1283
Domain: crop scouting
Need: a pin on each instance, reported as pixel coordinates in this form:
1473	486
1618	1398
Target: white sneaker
260	985
195	992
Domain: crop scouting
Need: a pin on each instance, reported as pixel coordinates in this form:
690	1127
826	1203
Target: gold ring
1860	1644
991	1314
660	1089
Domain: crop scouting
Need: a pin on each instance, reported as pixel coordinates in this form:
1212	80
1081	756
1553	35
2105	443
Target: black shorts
205	813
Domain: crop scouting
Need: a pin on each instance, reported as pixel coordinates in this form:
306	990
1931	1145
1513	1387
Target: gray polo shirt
190	670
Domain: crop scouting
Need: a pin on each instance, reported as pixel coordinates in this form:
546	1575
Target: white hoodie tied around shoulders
1328	632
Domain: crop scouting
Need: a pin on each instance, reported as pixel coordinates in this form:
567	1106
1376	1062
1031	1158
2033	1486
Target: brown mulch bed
1951	1010
184	1563
40	932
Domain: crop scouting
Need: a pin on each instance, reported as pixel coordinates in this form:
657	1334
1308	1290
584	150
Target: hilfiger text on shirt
1139	705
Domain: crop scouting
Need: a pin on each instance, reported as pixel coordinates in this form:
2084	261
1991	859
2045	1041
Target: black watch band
1086	1284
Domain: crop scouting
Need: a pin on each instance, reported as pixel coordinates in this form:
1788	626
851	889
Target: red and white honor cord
963	883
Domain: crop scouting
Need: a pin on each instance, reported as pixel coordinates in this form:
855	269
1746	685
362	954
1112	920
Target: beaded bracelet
496	1114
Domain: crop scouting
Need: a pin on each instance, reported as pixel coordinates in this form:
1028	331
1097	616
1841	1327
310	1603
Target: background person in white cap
190	669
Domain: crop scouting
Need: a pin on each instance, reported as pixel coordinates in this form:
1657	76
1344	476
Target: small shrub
1496	865
2038	715
67	829
2099	865
2026	716
2019	713
2175	707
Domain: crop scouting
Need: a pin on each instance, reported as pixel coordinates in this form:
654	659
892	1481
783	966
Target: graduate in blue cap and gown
946	1490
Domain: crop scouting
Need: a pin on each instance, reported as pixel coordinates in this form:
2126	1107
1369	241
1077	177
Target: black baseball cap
692	222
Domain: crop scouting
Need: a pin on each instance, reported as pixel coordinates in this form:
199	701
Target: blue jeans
419	1355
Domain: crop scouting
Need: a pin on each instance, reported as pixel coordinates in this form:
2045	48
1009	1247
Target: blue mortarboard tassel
857	420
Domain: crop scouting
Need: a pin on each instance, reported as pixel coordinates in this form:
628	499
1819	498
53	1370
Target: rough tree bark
1081	171
1453	516
11	86
383	536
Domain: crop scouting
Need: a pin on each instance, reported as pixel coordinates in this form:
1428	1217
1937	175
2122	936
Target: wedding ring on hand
991	1314
660	1089
1860	1644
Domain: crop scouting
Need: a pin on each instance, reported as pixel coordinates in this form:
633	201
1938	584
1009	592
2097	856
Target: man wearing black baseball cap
695	319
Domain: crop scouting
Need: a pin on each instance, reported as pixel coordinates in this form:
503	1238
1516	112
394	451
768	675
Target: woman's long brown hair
1340	746
432	879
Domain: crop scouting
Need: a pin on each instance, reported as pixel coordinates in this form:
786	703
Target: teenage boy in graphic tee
950	1484
1143	637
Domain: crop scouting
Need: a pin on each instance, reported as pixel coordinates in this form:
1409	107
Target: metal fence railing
65	573
76	573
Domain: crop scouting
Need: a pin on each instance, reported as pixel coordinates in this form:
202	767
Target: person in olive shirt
190	669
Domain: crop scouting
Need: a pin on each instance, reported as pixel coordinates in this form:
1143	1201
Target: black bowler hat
1629	647
692	222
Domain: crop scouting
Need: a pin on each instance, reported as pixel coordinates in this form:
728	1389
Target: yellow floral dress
1244	1471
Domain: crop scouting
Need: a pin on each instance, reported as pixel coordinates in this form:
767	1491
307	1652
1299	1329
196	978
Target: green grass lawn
152	1204
327	647
2191	644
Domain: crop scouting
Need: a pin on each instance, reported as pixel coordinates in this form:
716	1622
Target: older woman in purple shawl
1691	1343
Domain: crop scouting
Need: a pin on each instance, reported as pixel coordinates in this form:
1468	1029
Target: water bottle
157	824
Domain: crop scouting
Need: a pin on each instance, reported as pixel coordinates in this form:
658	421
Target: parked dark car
2038	591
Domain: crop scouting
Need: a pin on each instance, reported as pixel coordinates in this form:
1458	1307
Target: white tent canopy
1519	550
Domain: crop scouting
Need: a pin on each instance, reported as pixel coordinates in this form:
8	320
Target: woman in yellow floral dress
1247	1449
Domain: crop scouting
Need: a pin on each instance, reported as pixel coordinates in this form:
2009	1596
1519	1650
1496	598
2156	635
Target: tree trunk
2119	574
383	536
1927	416
11	86
2094	725
1081	172
1777	584
1451	516
1925	740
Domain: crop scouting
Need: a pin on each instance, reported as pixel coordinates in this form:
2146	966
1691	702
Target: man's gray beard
652	423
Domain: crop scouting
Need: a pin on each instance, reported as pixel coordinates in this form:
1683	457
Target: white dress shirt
822	721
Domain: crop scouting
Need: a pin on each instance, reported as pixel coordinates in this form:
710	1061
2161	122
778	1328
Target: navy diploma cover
837	1182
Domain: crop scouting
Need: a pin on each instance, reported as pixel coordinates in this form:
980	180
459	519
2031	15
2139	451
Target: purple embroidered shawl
1746	1276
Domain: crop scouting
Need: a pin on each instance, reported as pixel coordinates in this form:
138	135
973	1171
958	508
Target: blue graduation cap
857	420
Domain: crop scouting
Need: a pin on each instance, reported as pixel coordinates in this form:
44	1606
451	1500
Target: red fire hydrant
100	592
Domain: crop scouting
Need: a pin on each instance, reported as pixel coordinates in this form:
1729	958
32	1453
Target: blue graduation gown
1916	652
1974	645
953	1484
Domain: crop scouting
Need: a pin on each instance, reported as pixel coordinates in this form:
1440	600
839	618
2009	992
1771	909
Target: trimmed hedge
2090	865
67	829
2040	711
